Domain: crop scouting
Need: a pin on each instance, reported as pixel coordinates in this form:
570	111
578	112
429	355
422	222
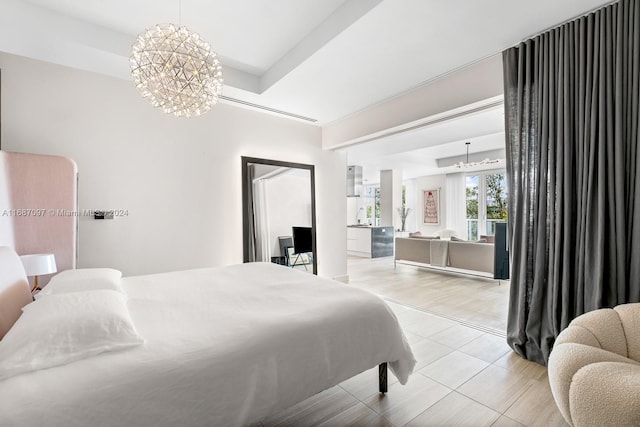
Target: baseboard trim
344	278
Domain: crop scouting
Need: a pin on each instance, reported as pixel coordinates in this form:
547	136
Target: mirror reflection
279	213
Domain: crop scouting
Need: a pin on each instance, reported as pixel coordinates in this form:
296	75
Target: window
486	203
473	189
372	203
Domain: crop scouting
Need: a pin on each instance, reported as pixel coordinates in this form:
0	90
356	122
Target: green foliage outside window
377	205
496	196
488	191
472	202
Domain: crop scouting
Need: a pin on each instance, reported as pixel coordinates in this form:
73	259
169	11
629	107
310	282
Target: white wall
357	210
430	183
413	203
179	179
390	198
353	210
6	220
386	198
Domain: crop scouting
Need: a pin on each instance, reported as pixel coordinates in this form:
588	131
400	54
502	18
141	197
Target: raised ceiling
322	59
319	59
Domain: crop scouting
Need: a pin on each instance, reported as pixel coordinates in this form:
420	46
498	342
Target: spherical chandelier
176	70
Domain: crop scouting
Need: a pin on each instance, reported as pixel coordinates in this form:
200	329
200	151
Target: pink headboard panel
14	289
43	206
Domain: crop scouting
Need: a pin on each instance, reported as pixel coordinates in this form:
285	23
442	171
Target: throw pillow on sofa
489	239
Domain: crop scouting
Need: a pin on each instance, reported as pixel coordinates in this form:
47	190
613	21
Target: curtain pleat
571	119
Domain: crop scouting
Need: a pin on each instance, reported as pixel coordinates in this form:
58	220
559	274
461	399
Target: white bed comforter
223	347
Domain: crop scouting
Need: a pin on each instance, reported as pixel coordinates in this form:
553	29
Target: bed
222	347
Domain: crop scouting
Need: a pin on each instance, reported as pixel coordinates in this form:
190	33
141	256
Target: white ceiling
251	35
321	59
416	152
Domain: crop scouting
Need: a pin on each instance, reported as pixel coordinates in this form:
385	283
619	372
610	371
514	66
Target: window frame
482	199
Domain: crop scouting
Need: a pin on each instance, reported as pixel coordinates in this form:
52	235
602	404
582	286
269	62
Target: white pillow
83	279
59	329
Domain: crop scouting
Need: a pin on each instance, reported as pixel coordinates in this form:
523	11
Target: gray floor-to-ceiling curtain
571	114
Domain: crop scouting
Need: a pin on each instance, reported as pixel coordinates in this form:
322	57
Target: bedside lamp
38	264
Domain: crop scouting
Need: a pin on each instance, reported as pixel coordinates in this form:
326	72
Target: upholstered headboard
14	289
38	206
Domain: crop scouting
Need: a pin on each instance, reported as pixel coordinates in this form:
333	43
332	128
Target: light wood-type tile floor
478	301
466	374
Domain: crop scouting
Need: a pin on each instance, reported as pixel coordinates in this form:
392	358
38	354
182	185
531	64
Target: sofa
454	255
594	368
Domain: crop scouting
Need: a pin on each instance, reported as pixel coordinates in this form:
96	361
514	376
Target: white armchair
594	368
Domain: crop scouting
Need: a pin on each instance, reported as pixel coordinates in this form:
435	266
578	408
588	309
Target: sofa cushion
463	255
413	249
471	256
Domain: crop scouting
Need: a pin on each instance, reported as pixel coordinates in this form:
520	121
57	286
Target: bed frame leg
382	378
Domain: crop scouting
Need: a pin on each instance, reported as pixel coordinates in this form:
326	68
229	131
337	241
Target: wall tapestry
431	206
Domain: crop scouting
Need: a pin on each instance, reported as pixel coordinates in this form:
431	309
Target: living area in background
429	206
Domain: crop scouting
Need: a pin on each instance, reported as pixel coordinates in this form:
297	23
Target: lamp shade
39	264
